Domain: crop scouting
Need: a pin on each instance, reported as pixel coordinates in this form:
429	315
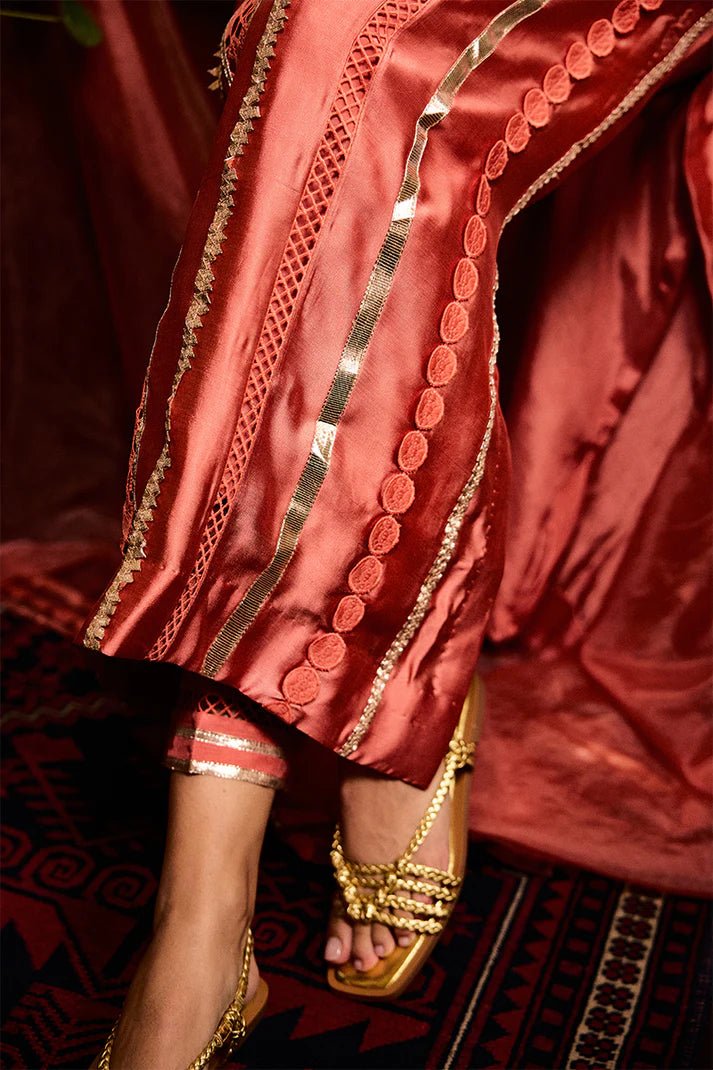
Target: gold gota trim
224	770
200	303
455	520
354	352
223	739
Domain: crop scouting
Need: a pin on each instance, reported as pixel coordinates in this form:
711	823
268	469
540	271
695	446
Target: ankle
223	914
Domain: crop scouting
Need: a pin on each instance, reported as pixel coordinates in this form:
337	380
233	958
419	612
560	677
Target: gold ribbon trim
354	352
223	739
455	520
200	303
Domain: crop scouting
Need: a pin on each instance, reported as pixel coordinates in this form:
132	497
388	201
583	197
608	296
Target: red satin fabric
610	435
573	723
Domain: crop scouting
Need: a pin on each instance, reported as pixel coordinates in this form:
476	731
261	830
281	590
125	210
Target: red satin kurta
318	496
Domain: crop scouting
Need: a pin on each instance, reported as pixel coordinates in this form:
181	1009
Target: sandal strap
374	891
230	1030
232	1027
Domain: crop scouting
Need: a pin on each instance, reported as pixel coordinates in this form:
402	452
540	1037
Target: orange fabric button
579	61
348	613
284	710
442	366
412	451
398	493
365	575
601	38
482	196
429	411
454	321
327	651
384	535
465	279
537	108
625	16
556	84
301	685
496	161
476	236
517	132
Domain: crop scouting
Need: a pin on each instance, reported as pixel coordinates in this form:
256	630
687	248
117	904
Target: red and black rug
549	969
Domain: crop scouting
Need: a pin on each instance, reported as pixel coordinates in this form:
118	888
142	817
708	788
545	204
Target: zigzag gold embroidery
135	550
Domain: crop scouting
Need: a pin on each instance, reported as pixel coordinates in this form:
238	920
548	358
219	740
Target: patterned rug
540	967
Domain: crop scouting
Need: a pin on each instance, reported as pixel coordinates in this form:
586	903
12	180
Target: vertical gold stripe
200	303
455	520
367	317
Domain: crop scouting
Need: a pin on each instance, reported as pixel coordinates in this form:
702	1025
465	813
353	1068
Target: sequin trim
224	770
249	111
455	519
223	739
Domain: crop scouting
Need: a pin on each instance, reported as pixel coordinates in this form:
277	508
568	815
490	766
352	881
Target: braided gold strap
231	1028
375	891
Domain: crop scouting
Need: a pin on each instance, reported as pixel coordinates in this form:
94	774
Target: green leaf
80	23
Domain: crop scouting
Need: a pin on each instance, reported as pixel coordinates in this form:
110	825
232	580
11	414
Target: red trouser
221	732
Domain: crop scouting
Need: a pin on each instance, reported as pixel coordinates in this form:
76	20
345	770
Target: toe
363	954
404	937
383	940
339	940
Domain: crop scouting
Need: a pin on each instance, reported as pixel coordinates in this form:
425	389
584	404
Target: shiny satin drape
597	747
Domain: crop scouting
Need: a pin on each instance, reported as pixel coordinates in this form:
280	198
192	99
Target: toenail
380	950
404	940
358	964
333	950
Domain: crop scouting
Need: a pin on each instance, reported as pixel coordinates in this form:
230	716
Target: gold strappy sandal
373	892
238	1021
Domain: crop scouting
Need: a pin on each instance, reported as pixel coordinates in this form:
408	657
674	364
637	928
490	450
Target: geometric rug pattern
541	966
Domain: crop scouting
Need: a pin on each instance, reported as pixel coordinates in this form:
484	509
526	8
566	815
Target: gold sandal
373	892
238	1021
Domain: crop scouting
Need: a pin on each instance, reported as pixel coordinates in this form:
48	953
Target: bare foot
379	817
189	973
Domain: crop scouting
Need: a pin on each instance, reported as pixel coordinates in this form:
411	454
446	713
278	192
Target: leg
206	895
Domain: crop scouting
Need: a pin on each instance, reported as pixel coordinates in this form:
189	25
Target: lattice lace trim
365	55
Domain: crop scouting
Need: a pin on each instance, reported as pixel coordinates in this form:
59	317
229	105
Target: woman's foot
189	974
379	817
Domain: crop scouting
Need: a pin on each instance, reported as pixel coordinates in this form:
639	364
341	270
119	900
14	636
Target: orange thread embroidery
429	411
578	61
384	536
443	363
365	575
301	684
517	132
482	199
348	613
412	451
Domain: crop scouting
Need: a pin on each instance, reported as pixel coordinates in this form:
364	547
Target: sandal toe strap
376	892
